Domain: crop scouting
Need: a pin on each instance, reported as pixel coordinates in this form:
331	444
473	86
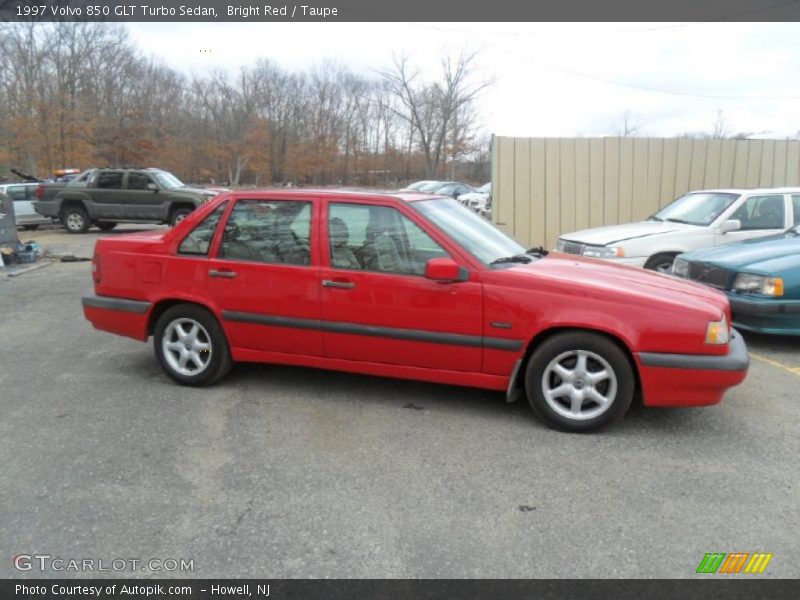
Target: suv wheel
579	382
660	262
191	346
179	215
75	219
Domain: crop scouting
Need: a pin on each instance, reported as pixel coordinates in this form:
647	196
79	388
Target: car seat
233	247
341	254
380	251
770	213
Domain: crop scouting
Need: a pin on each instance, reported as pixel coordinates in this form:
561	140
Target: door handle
347	285
223	274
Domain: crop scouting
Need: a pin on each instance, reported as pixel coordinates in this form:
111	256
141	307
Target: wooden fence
543	187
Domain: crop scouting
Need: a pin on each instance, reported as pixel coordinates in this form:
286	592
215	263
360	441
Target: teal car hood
771	255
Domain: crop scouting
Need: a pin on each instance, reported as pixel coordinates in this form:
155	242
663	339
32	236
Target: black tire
178	215
30	227
539	373
661	262
106	226
220	361
75	219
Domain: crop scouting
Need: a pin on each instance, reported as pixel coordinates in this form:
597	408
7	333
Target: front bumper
765	315
692	379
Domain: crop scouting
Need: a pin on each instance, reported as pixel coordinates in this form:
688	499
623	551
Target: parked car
412	287
22	194
454	189
418	185
478	199
761	278
696	220
105	197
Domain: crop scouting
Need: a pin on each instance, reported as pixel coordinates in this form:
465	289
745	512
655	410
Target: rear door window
269	231
110	180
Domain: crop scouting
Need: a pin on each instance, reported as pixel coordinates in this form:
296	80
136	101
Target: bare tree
629	125
432	108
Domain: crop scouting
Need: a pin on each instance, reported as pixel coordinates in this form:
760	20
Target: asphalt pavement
292	472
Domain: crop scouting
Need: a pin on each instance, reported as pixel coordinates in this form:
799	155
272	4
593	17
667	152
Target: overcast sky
550	79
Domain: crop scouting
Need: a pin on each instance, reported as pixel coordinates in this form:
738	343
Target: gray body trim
748	307
737	358
419	335
123	304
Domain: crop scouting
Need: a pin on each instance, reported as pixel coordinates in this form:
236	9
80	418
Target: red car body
476	330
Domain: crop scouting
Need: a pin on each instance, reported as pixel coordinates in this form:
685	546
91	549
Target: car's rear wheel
106	226
191	346
579	381
661	262
75	219
179	215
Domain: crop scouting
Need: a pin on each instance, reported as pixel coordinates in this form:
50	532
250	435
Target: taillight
39	192
96	268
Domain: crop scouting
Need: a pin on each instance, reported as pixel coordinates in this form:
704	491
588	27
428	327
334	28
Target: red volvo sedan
415	287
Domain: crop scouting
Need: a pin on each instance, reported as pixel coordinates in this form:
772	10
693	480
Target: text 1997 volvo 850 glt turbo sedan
416	287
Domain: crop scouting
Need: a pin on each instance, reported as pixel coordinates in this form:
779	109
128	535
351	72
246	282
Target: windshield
700	208
418	185
168	180
486	188
472	232
429	187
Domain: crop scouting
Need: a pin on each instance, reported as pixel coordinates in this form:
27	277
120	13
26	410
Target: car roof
335	193
749	191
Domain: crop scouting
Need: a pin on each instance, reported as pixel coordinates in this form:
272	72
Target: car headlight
718	332
759	284
603	252
680	268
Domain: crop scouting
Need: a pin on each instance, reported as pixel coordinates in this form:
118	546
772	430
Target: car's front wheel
579	381
661	263
191	346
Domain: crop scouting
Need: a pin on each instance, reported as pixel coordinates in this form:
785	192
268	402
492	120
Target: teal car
761	278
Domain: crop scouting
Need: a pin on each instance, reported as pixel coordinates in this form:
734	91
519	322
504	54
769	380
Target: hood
198	191
768	254
600	278
612	234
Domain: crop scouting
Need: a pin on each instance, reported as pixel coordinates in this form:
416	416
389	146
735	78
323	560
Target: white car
22	194
696	220
478	199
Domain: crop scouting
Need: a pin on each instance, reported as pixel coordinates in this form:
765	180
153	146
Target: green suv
105	197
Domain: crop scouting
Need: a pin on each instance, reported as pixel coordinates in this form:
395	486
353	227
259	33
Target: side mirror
445	270
730	225
152	186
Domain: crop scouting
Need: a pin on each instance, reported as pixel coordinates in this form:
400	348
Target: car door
109	196
760	215
264	276
377	305
23	209
141	201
